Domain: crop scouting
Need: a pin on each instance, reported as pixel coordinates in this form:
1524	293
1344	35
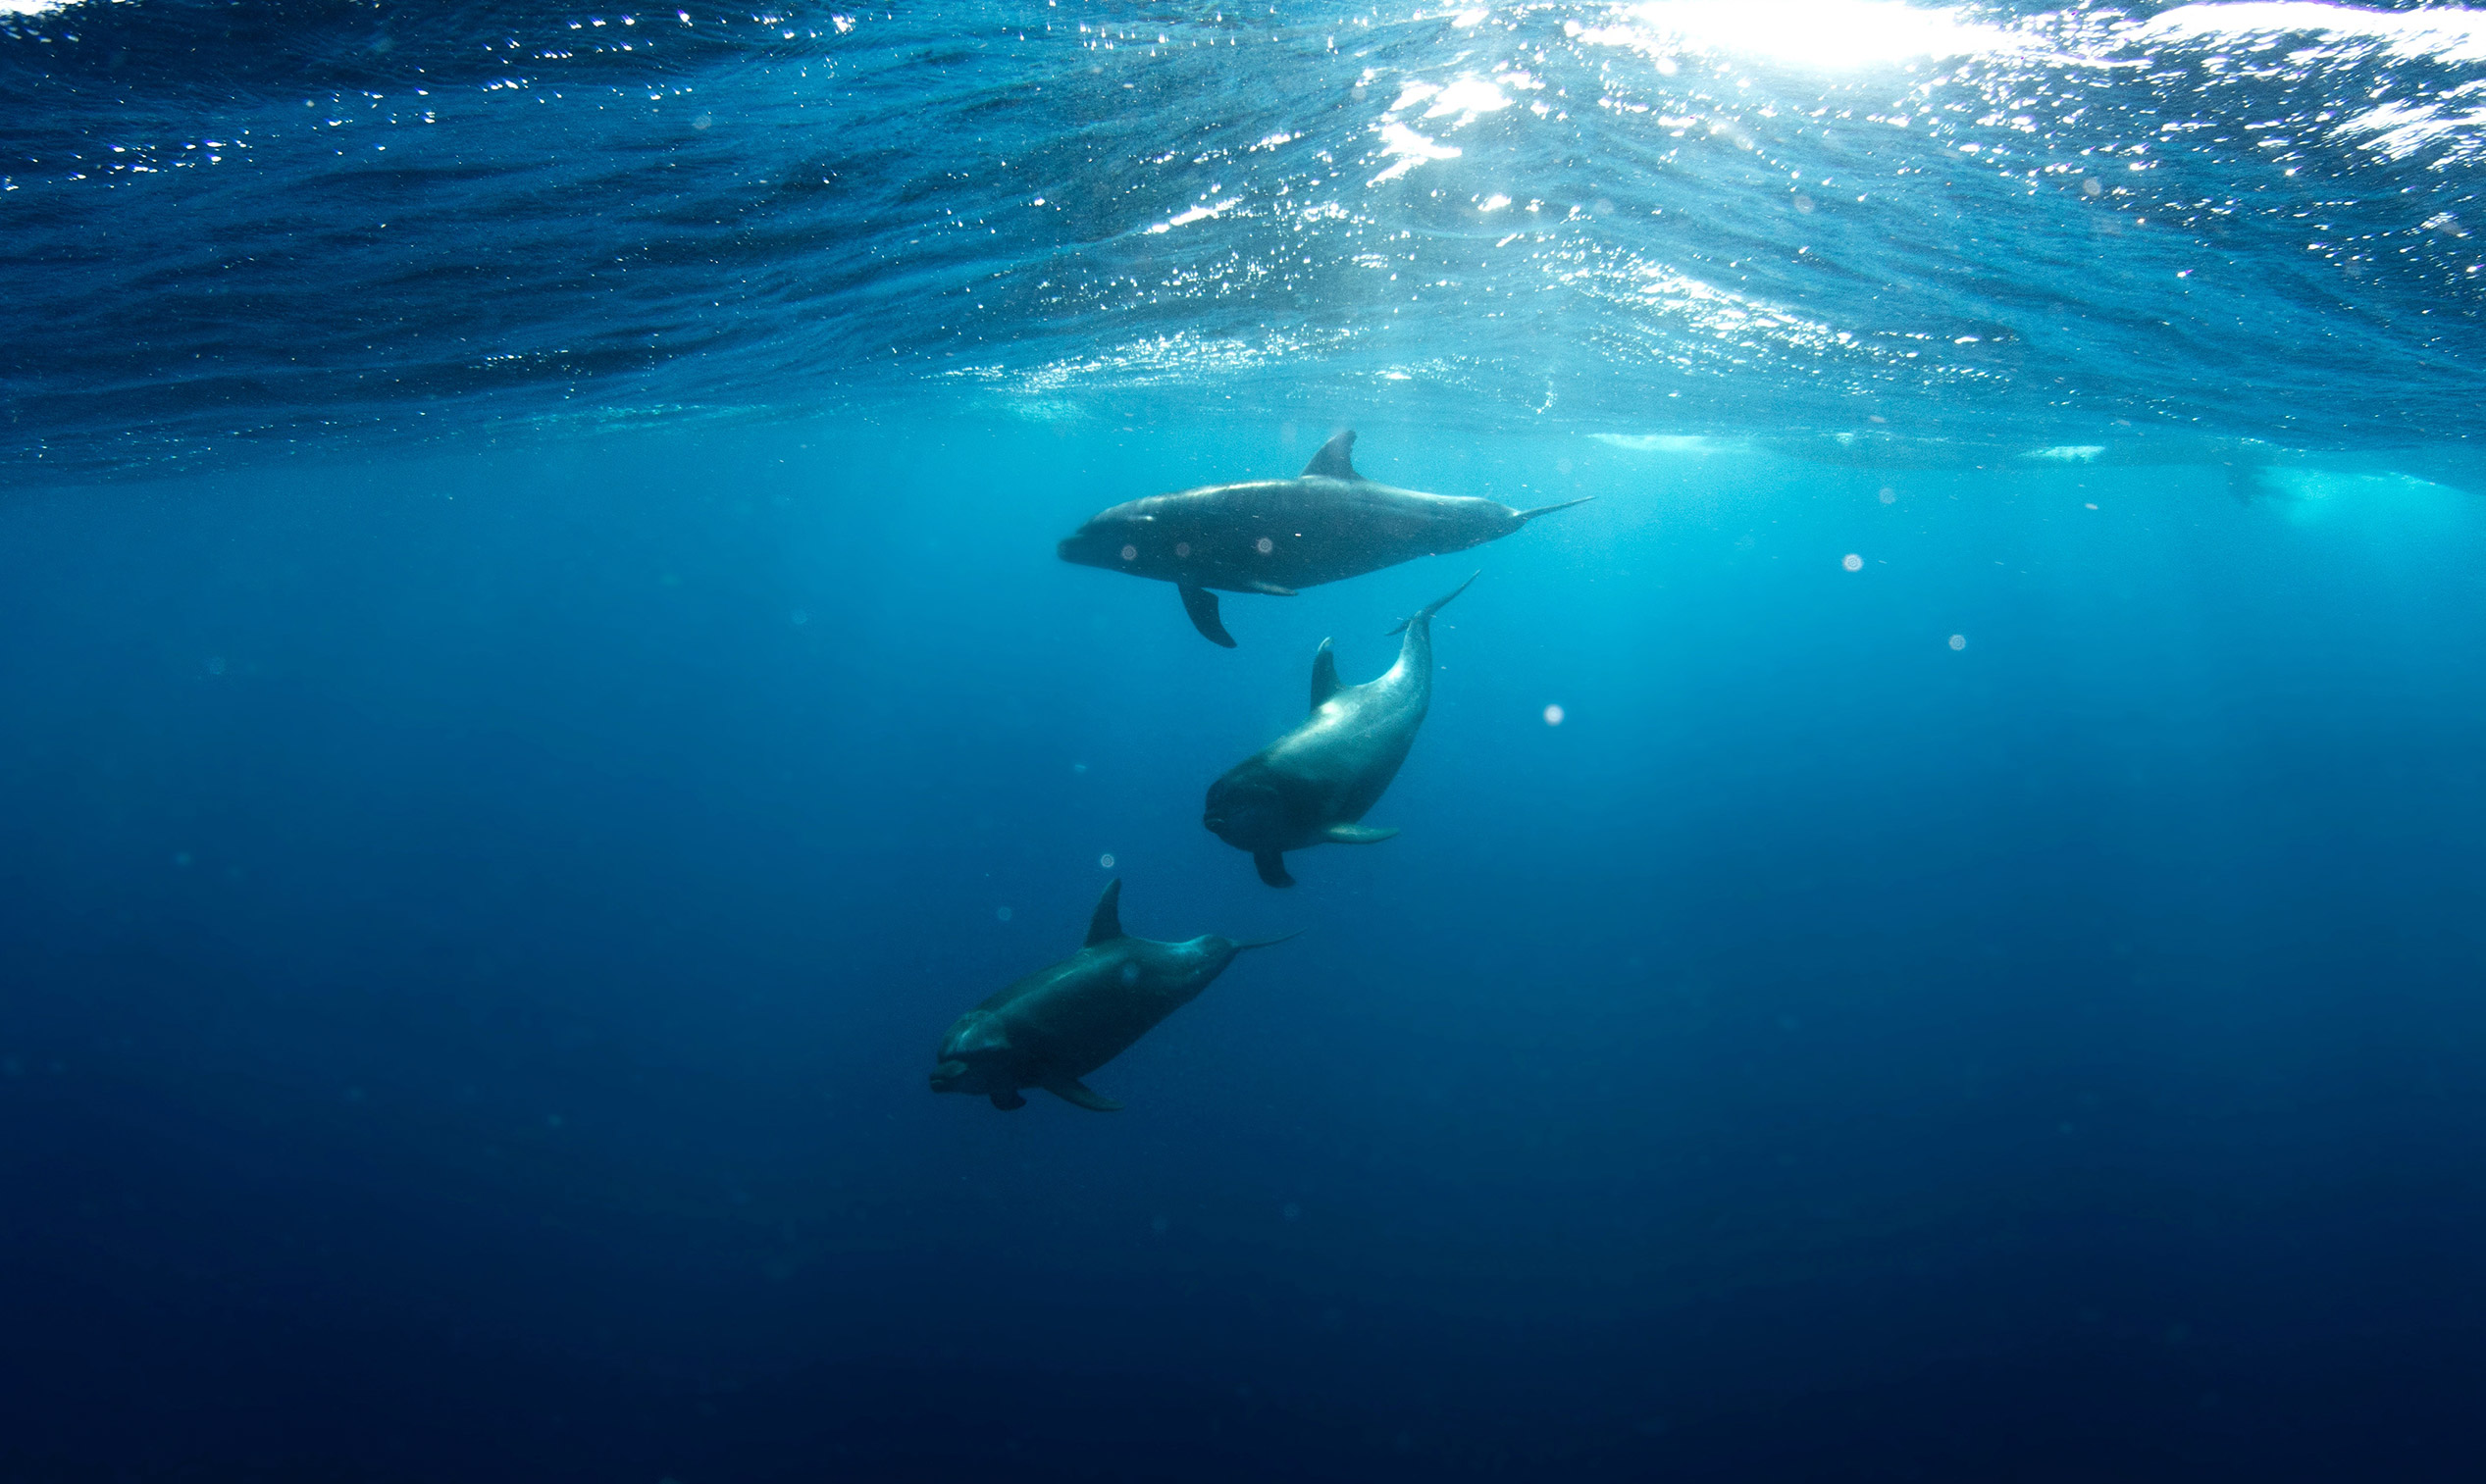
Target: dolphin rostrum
1312	785
1058	1024
1276	535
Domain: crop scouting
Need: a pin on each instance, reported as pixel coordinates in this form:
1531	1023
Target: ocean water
1936	931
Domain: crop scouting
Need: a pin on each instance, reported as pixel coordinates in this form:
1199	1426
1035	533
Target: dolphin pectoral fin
1270	589
1273	868
1335	460
1324	676
1201	606
1073	1089
1529	515
1266	942
1356	835
1008	1102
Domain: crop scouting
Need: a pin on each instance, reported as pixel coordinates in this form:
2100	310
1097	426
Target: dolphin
1276	535
1058	1024
1313	784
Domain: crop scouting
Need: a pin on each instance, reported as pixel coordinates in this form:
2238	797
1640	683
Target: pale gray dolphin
1276	535
1313	784
1058	1024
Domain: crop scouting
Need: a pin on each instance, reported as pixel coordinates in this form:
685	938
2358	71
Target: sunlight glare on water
1680	220
1828	36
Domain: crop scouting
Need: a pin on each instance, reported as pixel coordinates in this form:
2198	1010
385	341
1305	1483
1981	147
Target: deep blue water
537	685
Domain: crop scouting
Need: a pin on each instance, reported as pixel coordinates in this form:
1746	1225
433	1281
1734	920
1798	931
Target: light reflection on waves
1725	216
2143	203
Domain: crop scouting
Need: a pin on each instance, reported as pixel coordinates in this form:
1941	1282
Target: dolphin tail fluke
1529	515
1201	606
1072	1090
1267	943
1273	868
1425	613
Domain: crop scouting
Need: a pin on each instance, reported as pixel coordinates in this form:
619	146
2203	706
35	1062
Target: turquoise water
1933	931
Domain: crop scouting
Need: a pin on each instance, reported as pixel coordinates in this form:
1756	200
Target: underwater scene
1710	740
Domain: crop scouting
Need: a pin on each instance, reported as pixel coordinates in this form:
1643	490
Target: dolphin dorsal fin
1106	924
1335	458
1324	676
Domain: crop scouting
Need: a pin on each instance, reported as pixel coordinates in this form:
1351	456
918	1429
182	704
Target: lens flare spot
1105	860
1002	913
1889	495
1182	548
1264	546
1959	641
1852	562
1130	553
1553	716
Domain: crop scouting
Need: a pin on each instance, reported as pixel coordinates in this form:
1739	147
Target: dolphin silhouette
1313	784
1058	1024
1276	535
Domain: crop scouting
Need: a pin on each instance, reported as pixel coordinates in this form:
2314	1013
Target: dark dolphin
1313	784
1056	1025
1276	535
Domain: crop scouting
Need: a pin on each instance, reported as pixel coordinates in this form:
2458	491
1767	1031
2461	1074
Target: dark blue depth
474	932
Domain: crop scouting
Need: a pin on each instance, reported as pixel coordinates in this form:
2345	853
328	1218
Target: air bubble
1959	641
1852	562
1105	860
1130	553
1553	716
1265	545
